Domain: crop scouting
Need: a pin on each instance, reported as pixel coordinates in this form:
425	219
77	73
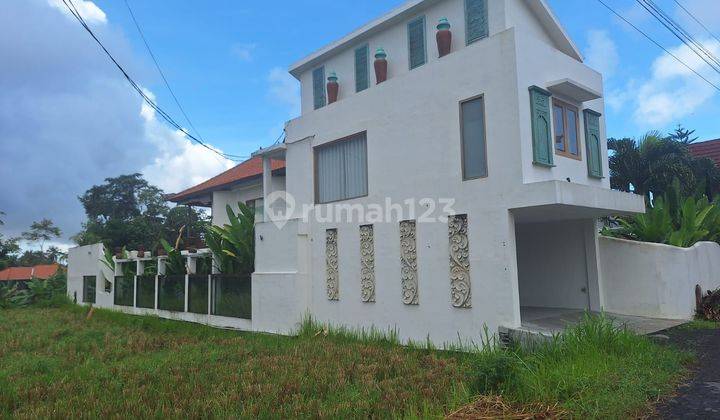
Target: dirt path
699	396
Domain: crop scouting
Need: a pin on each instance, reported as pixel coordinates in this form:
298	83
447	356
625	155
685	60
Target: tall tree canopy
128	211
650	164
42	231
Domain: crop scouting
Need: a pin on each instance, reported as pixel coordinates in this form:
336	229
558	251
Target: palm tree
650	165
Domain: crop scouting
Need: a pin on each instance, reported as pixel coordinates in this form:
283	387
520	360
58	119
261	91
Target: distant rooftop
43	271
198	194
708	148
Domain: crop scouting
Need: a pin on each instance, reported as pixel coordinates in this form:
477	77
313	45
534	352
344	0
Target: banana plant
233	244
175	262
690	229
673	220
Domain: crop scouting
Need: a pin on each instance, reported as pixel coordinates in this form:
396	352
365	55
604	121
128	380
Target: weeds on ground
700	324
116	364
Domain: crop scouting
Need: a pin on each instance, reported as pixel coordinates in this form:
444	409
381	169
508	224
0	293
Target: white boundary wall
656	280
85	261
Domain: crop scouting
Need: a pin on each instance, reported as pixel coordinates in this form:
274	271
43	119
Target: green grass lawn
56	363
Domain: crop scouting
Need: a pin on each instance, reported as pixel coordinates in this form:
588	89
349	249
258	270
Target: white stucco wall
412	123
250	190
394	41
656	280
85	261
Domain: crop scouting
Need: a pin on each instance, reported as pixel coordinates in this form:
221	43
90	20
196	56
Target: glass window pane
572	131
89	289
198	294
231	295
171	293
145	291
342	169
559	127
473	139
124	291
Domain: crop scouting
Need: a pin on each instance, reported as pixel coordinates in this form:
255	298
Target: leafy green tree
683	135
127	211
9	249
195	222
648	166
123	211
42	231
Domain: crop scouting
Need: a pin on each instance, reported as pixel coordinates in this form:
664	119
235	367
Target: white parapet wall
86	261
656	280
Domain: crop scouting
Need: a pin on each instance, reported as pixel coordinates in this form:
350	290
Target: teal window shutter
592	143
416	42
476	20
541	137
361	68
319	87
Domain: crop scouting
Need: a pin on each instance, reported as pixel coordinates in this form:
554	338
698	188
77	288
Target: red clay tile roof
246	170
709	148
26	273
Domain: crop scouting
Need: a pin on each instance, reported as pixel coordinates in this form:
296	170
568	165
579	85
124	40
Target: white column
267	186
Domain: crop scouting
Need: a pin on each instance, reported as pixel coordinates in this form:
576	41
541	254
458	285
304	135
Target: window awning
573	90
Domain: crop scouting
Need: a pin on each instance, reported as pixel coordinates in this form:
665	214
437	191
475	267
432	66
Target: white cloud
88	10
179	163
674	91
68	120
601	53
243	51
285	90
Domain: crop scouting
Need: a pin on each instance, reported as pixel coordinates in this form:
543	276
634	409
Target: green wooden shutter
319	87
476	20
416	42
540	113
361	68
592	143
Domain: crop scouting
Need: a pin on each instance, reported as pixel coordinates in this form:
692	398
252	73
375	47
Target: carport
556	243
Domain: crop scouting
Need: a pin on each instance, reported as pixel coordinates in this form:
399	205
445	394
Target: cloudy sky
68	119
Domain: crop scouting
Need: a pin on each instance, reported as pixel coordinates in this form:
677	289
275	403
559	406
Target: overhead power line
698	21
659	45
73	10
680	33
159	69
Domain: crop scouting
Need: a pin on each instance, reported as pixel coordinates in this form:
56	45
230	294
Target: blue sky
226	61
67	114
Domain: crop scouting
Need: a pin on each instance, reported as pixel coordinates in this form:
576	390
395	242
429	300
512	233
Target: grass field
56	363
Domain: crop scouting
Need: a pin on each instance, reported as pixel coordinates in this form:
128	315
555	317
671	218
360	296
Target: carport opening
552	271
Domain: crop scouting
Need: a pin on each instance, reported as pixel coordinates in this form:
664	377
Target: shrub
673	220
39	292
233	244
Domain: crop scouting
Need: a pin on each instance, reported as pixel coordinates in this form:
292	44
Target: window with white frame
341	169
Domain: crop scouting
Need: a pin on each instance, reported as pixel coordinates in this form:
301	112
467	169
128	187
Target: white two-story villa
446	176
507	126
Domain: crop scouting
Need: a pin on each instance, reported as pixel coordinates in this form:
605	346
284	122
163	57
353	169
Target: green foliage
673	220
9	248
234	244
594	370
175	262
128	211
117	360
42	231
649	166
45	293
